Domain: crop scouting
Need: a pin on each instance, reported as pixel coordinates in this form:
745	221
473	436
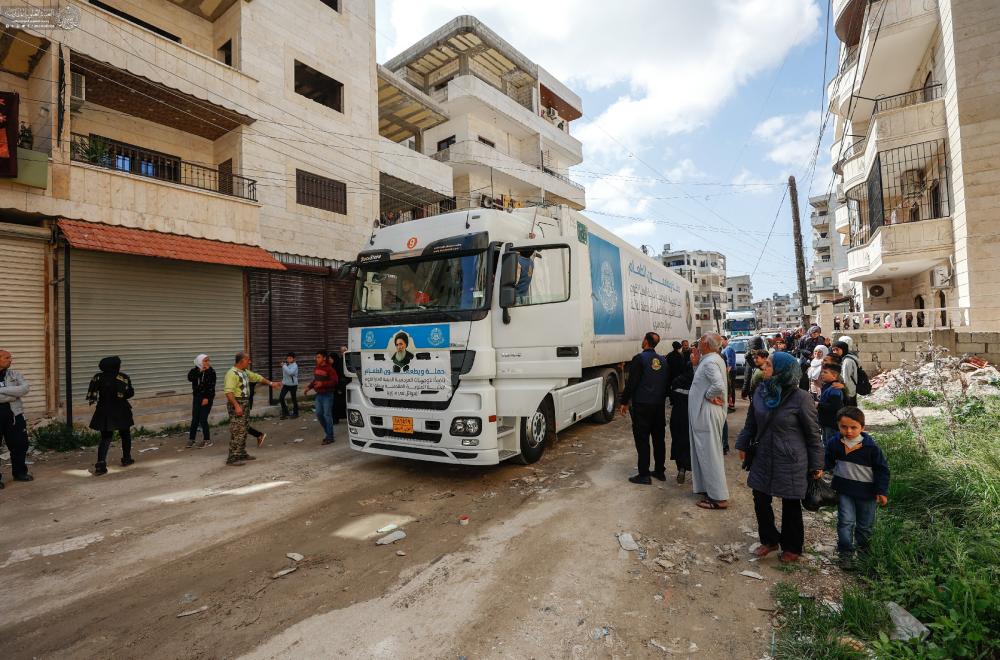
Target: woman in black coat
111	389
202	378
680	441
782	434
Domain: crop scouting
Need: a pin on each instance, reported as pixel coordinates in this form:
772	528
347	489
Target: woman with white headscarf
202	378
815	366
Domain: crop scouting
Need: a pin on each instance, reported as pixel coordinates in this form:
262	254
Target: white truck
477	335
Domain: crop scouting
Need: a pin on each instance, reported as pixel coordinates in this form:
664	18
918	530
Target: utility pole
715	313
800	261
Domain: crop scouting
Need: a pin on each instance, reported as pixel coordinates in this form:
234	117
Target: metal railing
562	177
122	157
924	94
852	57
888	320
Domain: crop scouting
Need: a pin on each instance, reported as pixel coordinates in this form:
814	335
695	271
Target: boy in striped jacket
860	477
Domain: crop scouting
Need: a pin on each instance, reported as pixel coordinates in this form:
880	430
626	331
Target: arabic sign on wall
630	297
406	362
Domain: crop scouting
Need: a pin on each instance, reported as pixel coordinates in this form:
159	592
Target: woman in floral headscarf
782	447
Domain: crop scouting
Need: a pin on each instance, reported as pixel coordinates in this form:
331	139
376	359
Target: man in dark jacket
646	391
13	427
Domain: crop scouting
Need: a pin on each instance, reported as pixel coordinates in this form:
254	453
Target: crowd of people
110	391
802	421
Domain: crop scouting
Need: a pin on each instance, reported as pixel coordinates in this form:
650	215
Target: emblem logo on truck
607	294
436	337
369	339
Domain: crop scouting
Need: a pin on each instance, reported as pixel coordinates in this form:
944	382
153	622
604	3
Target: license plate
402	425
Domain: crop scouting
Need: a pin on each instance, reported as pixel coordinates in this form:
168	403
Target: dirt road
103	567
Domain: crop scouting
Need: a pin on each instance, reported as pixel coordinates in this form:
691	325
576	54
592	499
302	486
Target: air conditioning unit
551	113
77	90
913	183
878	291
941	277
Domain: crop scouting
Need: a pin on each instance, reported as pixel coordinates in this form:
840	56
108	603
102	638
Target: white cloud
791	138
678	60
622	192
685	170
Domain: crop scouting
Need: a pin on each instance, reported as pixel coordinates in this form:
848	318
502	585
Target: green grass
936	552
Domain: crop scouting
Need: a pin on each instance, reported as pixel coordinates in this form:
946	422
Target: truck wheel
536	431
608	401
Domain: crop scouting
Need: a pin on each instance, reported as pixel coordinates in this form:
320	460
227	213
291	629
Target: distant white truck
475	336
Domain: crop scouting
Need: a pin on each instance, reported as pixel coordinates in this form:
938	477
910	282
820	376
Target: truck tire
536	431
609	400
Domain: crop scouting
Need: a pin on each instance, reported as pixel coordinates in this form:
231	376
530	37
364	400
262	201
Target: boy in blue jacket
860	477
831	400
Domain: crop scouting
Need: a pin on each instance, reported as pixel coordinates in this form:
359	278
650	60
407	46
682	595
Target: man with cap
646	391
13	428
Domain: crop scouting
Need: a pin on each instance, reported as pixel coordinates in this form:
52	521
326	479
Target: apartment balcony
405	164
841	86
147	56
820	219
848	17
473	156
901	250
469	94
821	242
912	117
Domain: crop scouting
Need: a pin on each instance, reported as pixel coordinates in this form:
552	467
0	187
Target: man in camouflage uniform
237	388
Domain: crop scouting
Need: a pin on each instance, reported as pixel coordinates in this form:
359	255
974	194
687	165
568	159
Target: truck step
508	453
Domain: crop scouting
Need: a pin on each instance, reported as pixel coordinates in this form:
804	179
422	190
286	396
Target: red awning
124	240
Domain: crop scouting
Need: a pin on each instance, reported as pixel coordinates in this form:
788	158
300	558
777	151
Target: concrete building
917	102
829	257
707	271
189	178
507	134
779	312
739	292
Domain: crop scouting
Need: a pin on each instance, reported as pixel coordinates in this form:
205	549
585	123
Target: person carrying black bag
781	446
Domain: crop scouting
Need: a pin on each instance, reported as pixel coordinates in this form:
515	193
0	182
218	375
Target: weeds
936	549
60	437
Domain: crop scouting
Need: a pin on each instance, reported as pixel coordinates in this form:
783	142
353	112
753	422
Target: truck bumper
431	439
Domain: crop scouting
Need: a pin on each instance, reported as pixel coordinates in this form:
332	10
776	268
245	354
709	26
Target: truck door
537	326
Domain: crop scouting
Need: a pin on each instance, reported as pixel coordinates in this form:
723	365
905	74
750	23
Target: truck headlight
466	426
355	418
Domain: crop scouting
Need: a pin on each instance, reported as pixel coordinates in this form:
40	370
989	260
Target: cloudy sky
695	111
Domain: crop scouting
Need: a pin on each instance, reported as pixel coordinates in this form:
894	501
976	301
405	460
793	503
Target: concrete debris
906	625
626	541
191	612
729	553
283	572
664	564
656	645
751	574
294	556
978	380
442	495
389	539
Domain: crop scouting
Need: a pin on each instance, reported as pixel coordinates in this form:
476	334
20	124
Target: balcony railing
913	97
896	319
121	157
906	184
444	155
852	57
562	177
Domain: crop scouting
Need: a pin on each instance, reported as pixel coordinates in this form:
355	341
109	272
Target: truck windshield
401	288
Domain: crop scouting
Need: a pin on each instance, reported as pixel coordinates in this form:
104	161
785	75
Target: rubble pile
975	376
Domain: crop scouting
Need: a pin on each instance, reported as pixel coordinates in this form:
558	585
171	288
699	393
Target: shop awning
124	240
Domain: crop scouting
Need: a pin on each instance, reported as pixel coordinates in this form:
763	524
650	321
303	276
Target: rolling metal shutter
295	311
157	314
22	321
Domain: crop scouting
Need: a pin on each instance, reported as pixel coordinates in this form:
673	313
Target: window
488	143
445	143
137	21
225	53
318	87
332	4
542	276
320	192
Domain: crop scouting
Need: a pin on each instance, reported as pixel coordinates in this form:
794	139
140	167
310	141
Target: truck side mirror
508	280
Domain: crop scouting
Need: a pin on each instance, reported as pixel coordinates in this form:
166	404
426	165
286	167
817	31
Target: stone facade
881	351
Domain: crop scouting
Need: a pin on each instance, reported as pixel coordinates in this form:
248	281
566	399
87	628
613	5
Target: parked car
740	346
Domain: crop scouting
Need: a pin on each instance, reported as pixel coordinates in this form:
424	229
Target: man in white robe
706	419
